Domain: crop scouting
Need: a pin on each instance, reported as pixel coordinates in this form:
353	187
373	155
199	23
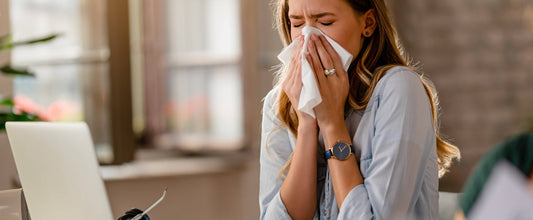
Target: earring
367	33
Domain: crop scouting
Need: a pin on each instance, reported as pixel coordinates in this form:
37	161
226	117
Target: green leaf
5	117
3	120
26	117
9	70
5	40
7	102
7	43
10	116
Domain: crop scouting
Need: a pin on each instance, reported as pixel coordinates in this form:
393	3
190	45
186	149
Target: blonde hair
379	53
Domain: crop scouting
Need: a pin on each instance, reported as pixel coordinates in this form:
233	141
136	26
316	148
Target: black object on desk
132	213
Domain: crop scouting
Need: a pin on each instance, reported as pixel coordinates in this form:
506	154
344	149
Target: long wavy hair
379	53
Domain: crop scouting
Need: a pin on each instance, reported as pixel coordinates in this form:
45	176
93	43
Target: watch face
341	150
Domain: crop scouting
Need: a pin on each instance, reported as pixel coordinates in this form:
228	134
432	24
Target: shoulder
270	100
400	83
400	91
400	79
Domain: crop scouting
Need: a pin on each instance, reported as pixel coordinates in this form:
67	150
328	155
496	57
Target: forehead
299	7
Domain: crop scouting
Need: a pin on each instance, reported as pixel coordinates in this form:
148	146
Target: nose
311	22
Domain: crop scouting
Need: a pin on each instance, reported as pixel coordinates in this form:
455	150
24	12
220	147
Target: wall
7	165
227	195
6	85
479	54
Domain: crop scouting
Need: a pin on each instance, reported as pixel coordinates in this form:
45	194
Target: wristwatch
340	151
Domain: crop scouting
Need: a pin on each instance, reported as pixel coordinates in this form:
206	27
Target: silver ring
329	72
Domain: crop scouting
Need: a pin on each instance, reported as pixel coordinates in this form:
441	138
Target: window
178	61
199	79
72	70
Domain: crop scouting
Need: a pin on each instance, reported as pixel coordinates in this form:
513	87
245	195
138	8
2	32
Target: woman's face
335	18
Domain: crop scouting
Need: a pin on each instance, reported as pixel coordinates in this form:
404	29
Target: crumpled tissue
310	94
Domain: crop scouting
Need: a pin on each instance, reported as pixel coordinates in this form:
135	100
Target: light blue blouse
395	146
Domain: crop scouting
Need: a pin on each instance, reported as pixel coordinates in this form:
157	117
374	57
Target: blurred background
172	89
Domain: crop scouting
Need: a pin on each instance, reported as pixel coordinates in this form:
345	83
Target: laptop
58	170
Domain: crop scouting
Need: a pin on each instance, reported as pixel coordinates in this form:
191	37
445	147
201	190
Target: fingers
295	58
314	60
325	57
336	60
327	62
313	54
292	78
295	72
311	64
333	56
300	42
294	65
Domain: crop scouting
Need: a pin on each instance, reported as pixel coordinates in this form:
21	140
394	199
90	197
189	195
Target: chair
448	204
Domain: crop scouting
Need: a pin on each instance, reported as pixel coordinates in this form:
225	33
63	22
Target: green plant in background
12	116
8	110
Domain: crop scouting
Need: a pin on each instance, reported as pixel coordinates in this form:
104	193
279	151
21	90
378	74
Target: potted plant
17	110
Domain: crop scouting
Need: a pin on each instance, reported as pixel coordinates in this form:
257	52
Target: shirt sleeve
275	151
401	144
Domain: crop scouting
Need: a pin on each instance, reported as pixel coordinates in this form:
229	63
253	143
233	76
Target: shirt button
325	213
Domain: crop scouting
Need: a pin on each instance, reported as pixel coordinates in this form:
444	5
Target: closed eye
327	24
297	25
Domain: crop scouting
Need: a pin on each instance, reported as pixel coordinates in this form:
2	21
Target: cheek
354	45
351	41
295	33
348	35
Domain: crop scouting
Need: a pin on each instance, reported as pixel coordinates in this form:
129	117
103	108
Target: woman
380	109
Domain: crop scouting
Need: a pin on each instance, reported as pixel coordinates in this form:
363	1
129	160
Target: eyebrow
319	15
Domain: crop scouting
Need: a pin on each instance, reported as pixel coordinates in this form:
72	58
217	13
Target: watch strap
328	154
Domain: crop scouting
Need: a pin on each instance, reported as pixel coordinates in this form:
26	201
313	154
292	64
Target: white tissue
310	94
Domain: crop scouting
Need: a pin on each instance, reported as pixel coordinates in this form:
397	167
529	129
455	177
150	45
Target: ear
369	22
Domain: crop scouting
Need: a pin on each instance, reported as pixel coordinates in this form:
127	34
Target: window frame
121	124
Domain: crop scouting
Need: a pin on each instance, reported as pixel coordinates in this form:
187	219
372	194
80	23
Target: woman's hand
298	191
292	84
333	88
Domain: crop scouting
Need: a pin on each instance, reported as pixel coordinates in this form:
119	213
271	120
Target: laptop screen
58	170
